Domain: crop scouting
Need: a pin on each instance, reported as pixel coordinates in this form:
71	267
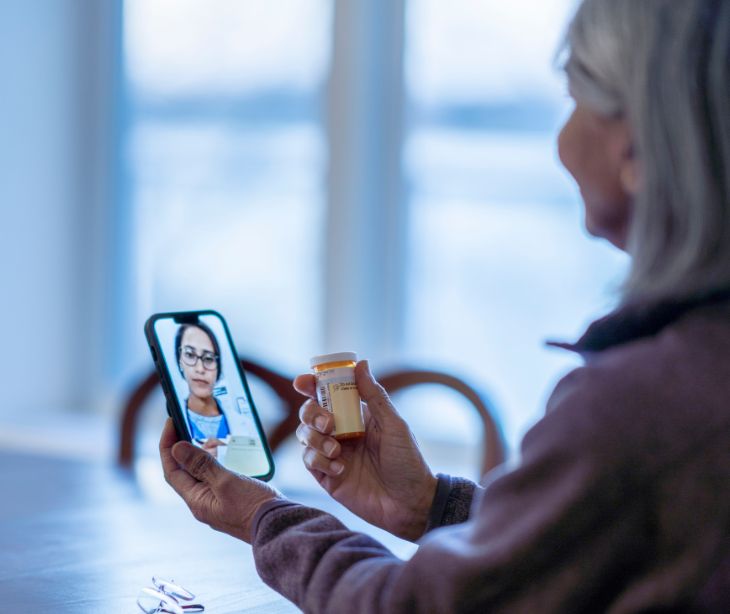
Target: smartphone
207	395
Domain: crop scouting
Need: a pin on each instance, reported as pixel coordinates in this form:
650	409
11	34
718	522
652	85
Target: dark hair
206	329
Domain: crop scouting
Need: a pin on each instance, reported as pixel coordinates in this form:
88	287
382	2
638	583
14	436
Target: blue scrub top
197	423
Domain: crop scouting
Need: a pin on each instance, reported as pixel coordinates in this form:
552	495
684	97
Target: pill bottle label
337	393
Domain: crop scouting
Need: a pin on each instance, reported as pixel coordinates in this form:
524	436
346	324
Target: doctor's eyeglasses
165	597
191	358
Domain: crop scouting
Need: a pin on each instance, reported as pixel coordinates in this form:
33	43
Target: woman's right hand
382	477
211	444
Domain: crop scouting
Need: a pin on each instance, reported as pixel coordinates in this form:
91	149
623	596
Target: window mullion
366	210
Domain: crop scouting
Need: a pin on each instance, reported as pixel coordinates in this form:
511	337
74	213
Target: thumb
372	393
198	463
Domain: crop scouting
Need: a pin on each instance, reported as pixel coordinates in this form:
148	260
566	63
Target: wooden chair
493	449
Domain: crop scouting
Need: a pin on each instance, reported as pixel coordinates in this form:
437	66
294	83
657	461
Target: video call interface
210	393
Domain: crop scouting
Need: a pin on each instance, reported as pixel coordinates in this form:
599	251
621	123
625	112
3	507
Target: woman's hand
211	444
218	497
381	477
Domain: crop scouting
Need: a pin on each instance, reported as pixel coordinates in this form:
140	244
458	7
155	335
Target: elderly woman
620	499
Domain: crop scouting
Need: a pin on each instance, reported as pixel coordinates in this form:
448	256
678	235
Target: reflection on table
82	536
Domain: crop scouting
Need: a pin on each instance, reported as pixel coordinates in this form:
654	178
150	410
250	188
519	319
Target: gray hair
664	65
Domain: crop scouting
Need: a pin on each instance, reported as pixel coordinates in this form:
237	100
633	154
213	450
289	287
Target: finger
318	475
372	393
306	384
178	478
214	443
169	435
312	438
198	463
168	438
314	415
316	462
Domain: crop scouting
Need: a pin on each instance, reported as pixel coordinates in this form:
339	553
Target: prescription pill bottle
337	392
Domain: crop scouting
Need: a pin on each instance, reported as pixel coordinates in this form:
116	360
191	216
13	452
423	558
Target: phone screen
214	404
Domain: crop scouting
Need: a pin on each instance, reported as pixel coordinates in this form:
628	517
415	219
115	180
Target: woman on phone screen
198	359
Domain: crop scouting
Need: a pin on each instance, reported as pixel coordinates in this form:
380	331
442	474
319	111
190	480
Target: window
226	156
497	260
235	183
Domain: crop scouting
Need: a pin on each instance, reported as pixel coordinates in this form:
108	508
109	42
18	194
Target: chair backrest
493	452
493	447
279	383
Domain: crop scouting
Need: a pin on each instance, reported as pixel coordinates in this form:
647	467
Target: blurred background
378	176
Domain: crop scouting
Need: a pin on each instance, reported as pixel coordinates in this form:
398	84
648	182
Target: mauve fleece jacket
619	500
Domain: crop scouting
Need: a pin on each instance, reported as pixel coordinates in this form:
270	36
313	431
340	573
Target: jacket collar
634	320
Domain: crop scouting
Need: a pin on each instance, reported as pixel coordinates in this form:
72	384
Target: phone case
173	406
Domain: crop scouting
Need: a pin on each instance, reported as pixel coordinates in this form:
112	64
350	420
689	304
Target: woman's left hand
211	446
216	496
